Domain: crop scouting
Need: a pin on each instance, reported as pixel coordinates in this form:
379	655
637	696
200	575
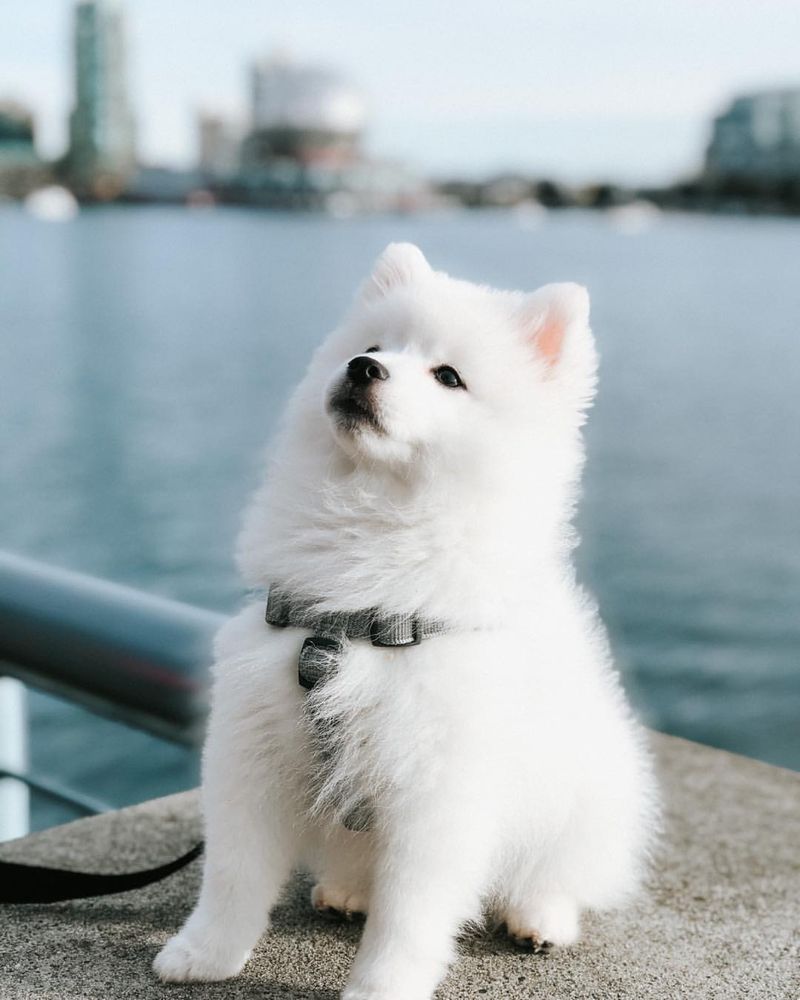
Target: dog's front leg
249	855
430	880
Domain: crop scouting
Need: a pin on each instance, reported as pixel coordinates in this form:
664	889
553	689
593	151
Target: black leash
35	884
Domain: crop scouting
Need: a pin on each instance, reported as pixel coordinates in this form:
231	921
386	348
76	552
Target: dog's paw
354	993
540	926
333	901
395	993
530	940
180	961
393	978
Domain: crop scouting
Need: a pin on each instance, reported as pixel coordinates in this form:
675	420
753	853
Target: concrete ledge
721	920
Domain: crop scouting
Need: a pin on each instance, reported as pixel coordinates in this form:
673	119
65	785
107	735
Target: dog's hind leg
343	872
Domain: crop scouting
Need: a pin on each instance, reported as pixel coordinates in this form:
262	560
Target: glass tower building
758	138
102	155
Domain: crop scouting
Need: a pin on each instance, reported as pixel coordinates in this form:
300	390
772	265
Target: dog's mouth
353	409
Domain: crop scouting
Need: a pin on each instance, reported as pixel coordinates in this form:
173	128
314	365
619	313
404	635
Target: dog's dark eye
372	350
448	376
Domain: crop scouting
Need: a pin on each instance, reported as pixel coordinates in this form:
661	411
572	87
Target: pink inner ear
550	338
549	312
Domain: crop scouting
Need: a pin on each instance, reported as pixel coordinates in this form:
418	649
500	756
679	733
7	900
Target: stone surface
721	918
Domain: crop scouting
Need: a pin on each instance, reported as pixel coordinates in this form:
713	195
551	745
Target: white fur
503	762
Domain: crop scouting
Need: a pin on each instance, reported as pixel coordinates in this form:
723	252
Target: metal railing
132	657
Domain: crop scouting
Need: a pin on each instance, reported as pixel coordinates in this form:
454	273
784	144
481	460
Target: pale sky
578	89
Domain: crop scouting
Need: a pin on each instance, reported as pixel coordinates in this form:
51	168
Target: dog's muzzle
353	401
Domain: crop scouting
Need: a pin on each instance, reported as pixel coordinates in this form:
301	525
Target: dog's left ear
555	321
399	264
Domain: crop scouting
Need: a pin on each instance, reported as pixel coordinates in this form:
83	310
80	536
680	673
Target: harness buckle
377	635
316	655
276	613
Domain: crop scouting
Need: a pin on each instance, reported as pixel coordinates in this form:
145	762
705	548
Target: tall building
16	127
219	142
757	138
21	170
102	154
307	114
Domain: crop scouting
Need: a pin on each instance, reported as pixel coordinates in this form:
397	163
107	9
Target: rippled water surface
145	355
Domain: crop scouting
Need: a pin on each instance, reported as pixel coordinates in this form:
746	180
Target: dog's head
431	389
429	370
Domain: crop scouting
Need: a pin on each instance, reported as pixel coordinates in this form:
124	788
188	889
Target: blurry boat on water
634	217
529	213
52	204
341	204
201	198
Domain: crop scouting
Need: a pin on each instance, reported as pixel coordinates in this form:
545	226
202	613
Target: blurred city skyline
582	90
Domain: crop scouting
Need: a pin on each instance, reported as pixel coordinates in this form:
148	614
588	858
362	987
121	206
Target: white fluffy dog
420	495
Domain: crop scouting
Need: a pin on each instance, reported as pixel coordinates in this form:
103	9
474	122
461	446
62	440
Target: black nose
364	368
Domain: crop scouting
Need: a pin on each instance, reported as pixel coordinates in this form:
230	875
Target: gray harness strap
382	630
322	651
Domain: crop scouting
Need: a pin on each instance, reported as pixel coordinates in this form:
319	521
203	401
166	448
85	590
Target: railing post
14	795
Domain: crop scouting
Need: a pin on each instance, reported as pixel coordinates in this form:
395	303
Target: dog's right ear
399	264
554	315
555	321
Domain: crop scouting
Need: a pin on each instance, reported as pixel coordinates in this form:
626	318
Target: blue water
145	355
